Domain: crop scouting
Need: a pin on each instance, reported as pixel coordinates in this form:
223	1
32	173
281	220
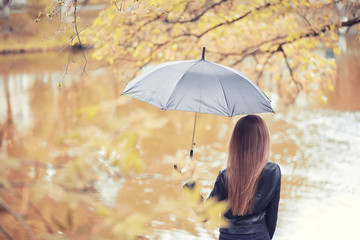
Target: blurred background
79	161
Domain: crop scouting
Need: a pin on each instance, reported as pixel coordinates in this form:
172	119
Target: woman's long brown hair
248	154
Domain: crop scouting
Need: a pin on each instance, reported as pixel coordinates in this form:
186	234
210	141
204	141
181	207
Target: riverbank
23	33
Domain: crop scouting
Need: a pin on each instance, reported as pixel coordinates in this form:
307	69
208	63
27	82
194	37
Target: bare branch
197	17
6	233
263	68
117	7
37	211
66	67
281	40
18	218
298	85
71	41
235	19
155	8
78	37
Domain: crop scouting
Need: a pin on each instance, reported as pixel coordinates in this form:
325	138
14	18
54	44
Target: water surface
317	149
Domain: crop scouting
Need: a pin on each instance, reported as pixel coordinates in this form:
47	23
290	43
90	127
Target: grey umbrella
199	86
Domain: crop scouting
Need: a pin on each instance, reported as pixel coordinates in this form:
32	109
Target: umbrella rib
222	88
167	103
247	79
227	103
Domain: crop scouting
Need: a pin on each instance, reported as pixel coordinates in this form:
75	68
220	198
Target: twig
66	67
78	37
119	8
298	85
263	68
71	40
199	15
235	19
147	5
18	218
37	211
6	233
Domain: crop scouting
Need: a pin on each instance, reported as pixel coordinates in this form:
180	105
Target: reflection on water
320	193
317	149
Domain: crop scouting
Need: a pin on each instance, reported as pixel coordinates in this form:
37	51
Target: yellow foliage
331	86
323	99
130	139
97	55
132	226
276	77
90	111
210	210
213	211
193	196
337	50
98	21
102	210
110	60
130	159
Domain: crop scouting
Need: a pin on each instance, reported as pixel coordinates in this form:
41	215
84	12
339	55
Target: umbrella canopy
199	86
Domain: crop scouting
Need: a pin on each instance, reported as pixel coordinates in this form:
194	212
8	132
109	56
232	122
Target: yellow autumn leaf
90	111
213	207
97	56
132	226
276	78
102	210
130	138
332	63
331	86
323	99
337	51
193	196
139	165
110	60
128	160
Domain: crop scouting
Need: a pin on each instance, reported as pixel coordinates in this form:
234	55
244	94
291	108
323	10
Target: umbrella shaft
193	137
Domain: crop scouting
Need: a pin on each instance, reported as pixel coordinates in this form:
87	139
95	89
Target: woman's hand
187	172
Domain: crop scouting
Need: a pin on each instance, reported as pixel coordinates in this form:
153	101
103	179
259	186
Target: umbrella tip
203	54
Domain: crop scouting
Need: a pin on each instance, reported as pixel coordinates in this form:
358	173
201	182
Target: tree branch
199	15
18	218
298	85
263	68
78	37
37	211
235	19
117	7
281	40
6	233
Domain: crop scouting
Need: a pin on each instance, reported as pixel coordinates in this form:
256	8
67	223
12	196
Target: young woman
250	183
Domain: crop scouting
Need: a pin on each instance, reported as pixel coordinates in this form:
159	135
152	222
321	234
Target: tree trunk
5	16
7	129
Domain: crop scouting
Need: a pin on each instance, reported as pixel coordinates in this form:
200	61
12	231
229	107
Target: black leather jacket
266	205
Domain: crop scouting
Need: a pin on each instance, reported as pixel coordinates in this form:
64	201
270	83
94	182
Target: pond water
318	149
